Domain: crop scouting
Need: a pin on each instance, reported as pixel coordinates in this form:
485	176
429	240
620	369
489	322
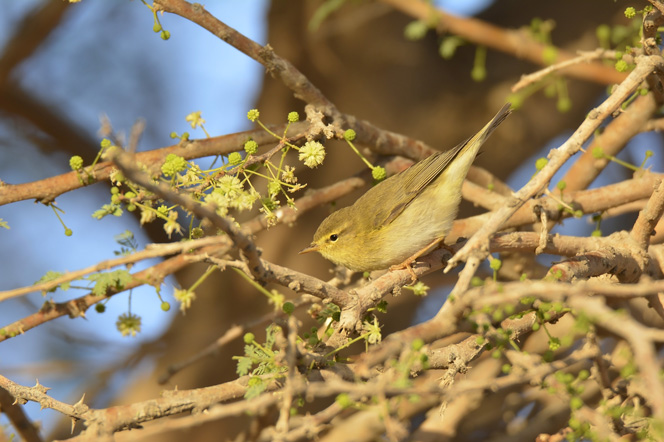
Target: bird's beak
311	248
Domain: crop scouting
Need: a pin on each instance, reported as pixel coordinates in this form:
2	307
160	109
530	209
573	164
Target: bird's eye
334	237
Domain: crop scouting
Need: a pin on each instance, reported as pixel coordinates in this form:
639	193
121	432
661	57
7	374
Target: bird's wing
408	184
411	182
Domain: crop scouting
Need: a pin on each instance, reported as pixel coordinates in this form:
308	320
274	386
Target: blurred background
63	67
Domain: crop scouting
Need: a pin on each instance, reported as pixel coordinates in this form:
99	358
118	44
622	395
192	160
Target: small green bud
349	135
540	163
344	400
630	12
174	135
603	33
378	173
288	307
115	199
478	73
251	147
249	338
115	190
165	306
495	264
554	343
497	316
130	195
105	143
596	233
578	214
564	104
506	368
561	185
173	165
197	232
536	326
68	232
574	423
156	28
293	117
235	158
449	46
185	136
476	281
549	55
621	66
417	344
100	308
75	162
516	100
131	207
583	375
575	403
598	153
165	35
415	30
253	115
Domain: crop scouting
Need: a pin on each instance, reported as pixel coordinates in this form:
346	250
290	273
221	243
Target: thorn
80	401
40	388
20	401
79	407
73	424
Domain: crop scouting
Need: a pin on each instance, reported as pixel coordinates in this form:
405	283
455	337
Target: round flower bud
235	158
378	173
293	117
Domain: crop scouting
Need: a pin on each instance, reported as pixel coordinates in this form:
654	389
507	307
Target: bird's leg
406	264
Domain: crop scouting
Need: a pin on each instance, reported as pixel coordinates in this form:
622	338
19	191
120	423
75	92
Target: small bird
402	217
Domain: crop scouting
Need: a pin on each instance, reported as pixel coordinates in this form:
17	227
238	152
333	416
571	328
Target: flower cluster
128	324
312	154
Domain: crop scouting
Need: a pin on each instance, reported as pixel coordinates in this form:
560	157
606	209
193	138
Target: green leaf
116	279
50	276
107	209
243	365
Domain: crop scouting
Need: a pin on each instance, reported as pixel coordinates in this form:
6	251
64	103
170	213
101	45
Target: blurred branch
30	34
515	43
611	141
583	57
